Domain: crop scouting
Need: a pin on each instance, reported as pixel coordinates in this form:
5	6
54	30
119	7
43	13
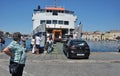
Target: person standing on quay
32	44
23	41
17	54
50	45
37	44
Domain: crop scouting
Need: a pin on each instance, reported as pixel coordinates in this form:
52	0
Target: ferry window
48	22
42	21
54	21
66	11
60	22
55	13
62	11
49	10
59	11
66	23
42	10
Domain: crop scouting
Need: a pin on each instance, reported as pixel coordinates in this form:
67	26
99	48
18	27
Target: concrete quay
99	64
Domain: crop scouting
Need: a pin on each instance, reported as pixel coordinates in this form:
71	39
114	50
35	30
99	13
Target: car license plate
80	54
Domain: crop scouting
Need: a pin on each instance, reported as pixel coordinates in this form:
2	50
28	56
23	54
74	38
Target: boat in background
55	21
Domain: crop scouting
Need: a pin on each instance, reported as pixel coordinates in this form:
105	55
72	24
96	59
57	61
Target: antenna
54	3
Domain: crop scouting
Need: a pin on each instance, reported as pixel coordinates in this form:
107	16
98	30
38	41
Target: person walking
50	45
32	44
42	43
17	54
37	44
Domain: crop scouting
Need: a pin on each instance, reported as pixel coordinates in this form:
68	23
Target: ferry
55	21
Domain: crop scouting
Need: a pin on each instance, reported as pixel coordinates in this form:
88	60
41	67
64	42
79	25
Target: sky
95	15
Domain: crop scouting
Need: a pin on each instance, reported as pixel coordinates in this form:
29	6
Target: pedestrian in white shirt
37	44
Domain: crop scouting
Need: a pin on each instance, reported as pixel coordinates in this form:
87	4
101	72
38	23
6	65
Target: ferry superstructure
56	20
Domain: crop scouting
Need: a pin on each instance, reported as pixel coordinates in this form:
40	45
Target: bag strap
20	57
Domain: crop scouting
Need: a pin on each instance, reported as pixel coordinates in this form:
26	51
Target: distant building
95	36
111	35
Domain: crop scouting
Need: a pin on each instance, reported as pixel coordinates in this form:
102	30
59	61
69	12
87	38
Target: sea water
8	40
95	46
104	46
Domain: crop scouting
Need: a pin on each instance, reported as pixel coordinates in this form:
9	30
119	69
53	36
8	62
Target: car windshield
77	42
64	36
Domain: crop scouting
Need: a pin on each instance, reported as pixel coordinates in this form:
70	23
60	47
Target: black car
76	48
65	38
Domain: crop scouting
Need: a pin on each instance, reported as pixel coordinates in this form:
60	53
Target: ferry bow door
57	35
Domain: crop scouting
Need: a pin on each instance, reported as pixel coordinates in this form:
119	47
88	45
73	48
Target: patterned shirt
18	52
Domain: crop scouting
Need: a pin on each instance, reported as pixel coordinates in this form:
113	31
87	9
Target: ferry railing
44	10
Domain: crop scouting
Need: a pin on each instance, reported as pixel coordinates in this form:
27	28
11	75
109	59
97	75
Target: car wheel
68	55
64	52
87	57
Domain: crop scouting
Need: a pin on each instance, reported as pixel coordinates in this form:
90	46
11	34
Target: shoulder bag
14	67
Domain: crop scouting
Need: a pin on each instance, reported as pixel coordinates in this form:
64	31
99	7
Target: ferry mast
54	3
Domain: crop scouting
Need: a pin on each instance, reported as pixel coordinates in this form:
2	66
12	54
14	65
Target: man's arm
8	52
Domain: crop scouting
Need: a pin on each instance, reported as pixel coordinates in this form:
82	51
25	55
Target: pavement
57	64
54	64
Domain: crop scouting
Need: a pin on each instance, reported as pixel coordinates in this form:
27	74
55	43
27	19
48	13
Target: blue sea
95	46
8	40
104	46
